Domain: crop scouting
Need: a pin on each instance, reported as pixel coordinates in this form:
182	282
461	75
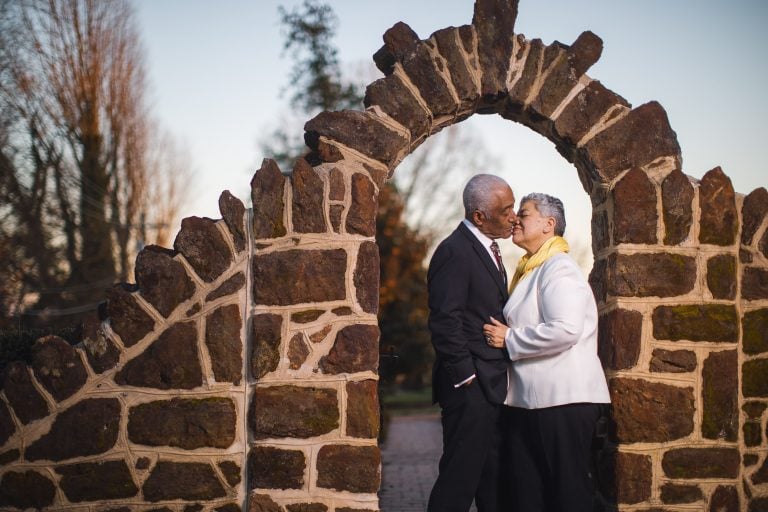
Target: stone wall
241	369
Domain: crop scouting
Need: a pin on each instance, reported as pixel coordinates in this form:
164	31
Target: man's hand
495	333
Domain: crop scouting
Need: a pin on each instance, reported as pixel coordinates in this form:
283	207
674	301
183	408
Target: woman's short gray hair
478	193
548	206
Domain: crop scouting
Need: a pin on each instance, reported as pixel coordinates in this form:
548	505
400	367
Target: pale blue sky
216	71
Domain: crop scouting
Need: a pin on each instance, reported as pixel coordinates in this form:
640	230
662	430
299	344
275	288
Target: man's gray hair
548	206
478	193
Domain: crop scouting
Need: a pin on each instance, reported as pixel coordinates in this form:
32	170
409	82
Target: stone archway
243	363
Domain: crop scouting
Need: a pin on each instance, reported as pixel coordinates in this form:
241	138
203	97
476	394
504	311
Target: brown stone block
366	277
397	101
9	456
752	434
95	481
450	48
721	276
293	411
559	82
494	23
184	423
262	503
228	287
754	378
360	131
754	326
299	276
349	468
7	427
754	410
231	471
100	349
677	199
637	139
58	367
96	421
363	409
673	361
763	244
752	213
265	342
267	189
170	362
761	475
725	499
275	468
204	247
163	281
356	349
335	212
361	219
26	401
307	316
399	41
233	212
717	201
650	275
308	206
126	317
674	494
720	396
586	110
651	412
634	205
754	283
694	463
222	337
601	238
298	350
336	186
704	322
26	490
619	337
307	507
522	88
625	477
182	481
758	504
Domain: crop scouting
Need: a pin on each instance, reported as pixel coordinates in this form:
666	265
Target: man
468	285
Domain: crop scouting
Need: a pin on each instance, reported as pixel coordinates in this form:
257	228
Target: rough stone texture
170	362
94	481
719	221
231	472
585	110
619	338
194	310
162	280
265	344
7	427
305	317
342	311
336	187
625	477
222	338
703	322
761	475
26	490
752	434
262	503
361	219
763	244
398	42
634	141
675	494
634	206
754	283
721	276
651	412
650	275
694	463
448	44
233	212
182	481
293	411
228	287
126	317
753	212
316	276
298	350
494	23
9	456
725	499
366	277
354	350
754	410
362	409
308	212
204	247
21	393
720	396
335	212
349	468
58	367
184	423
267	189
398	102
275	468
319	336
307	507
96	421
758	504
750	459
520	91
753	381
101	351
601	238
673	361
754	327
360	131
677	199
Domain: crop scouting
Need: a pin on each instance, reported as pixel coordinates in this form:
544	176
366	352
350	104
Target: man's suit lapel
485	258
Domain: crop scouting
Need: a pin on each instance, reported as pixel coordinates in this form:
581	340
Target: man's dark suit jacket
465	289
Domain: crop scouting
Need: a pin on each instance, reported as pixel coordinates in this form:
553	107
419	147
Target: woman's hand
495	332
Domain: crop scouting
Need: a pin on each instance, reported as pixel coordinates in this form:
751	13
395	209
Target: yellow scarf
554	245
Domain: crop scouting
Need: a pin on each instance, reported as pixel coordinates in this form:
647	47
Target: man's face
500	216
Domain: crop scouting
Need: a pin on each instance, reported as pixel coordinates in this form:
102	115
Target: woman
556	382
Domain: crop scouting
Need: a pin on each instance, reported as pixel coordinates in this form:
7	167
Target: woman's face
531	229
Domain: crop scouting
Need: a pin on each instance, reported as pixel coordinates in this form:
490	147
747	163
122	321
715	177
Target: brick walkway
409	460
